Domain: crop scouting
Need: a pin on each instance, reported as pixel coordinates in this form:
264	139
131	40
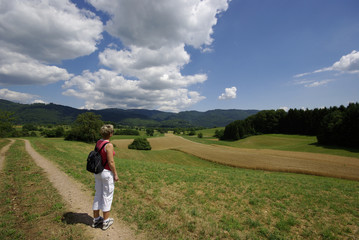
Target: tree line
332	126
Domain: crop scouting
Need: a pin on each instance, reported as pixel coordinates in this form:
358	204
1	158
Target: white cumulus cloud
146	73
160	23
19	69
230	93
285	108
348	63
36	33
17	96
106	88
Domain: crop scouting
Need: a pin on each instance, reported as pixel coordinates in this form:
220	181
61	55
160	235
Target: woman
105	181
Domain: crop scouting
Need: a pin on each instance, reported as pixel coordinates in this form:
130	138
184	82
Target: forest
332	126
38	113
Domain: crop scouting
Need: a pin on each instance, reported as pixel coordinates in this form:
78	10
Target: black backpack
94	161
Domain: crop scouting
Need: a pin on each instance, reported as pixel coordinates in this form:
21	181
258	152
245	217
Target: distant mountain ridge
39	113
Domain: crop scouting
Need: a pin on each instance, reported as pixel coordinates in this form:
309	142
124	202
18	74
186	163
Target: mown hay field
169	194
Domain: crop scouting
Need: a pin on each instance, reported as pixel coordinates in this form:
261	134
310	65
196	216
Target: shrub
150	132
6	124
33	134
192	133
219	133
127	132
29	127
52	133
140	144
200	135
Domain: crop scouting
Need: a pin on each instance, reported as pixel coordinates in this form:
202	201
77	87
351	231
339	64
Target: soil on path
264	159
79	201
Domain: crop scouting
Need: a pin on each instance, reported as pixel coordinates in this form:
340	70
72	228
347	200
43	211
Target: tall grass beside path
171	195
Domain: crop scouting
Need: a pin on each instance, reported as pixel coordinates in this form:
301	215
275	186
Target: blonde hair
106	130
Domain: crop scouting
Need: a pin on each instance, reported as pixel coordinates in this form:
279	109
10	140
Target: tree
192	133
6	124
351	126
140	144
219	133
331	127
150	132
231	132
86	128
52	133
340	127
29	127
127	132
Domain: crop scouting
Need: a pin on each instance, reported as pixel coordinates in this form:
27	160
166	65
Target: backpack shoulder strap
101	147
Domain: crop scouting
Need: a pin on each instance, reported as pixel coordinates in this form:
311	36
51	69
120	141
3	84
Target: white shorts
104	186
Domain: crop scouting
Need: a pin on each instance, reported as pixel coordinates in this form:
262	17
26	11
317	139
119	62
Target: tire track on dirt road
3	152
263	159
79	200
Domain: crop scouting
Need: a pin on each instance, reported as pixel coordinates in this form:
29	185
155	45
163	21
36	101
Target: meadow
171	195
298	143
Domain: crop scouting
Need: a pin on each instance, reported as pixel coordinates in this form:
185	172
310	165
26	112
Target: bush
29	127
6	124
150	132
140	144
219	133
127	132
200	135
52	133
192	133
33	134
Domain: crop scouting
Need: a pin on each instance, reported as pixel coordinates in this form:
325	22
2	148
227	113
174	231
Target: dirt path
2	153
79	200
273	160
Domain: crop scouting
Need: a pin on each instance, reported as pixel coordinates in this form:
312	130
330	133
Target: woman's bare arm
111	161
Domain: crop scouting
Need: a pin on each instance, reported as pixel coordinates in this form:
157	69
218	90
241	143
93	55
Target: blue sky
175	55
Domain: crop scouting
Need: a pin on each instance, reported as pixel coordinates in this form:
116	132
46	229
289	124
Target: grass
209	132
30	207
3	142
171	195
298	143
142	134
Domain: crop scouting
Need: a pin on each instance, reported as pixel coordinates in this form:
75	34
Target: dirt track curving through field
79	200
264	159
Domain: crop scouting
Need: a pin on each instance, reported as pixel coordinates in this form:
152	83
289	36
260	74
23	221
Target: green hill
39	113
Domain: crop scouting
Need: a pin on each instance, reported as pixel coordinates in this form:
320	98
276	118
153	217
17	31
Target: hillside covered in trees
57	114
332	126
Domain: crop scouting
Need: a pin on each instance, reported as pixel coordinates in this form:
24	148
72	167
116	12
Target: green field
283	142
171	195
142	134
